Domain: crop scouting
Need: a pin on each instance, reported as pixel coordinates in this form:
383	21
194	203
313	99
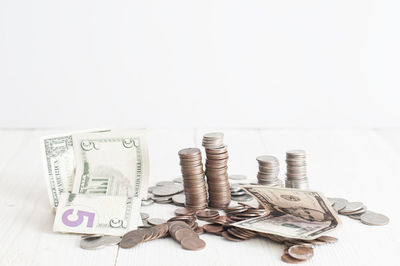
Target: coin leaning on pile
193	178
217	170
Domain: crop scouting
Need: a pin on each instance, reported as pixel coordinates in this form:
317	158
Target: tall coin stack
296	175
217	170
268	170
193	178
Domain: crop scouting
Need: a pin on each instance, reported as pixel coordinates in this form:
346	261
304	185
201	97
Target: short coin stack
193	178
296	175
216	170
268	170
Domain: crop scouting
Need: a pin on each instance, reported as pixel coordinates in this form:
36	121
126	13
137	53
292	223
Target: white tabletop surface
359	165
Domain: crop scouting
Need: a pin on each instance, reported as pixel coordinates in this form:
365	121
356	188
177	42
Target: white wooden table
359	165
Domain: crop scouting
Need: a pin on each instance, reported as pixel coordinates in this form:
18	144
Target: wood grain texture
360	165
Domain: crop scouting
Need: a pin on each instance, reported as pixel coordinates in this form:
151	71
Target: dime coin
193	243
372	218
144	216
156	221
111	240
351	207
301	252
96	243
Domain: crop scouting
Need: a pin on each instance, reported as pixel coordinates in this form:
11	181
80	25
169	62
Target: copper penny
301	252
213	228
286	258
184	211
193	243
184	233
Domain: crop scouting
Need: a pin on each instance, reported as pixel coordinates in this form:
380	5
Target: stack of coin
296	175
216	170
193	178
213	140
268	170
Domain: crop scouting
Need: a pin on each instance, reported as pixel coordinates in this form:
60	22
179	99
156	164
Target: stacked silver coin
193	178
268	171
217	170
213	140
296	175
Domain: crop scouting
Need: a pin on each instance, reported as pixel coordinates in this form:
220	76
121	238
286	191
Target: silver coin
167	190
214	135
144	215
150	189
360	211
235	188
164	183
179	199
372	218
111	240
97	243
145	224
91	237
178	180
237	177
147	202
156	221
245	197
238	193
352	207
339	205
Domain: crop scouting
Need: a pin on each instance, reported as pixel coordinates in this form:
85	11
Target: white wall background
182	63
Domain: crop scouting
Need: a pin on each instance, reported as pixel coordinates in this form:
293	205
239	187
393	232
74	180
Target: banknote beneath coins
293	213
91	214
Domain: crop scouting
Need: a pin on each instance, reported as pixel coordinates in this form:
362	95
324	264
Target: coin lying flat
156	221
213	228
167	190
144	216
288	259
184	233
179	199
328	239
372	218
91	244
301	252
132	238
184	211
165	183
351	207
237	177
111	240
193	243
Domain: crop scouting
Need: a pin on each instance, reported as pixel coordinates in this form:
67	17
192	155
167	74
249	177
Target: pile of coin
216	170
296	175
185	235
268	171
358	211
134	237
193	178
239	194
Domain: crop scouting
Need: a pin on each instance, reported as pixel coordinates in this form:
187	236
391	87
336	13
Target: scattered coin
301	252
179	199
193	243
90	244
178	180
372	218
237	177
184	233
165	183
167	190
147	202
213	228
144	216
156	221
184	211
351	207
328	239
288	259
246	197
111	240
132	238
